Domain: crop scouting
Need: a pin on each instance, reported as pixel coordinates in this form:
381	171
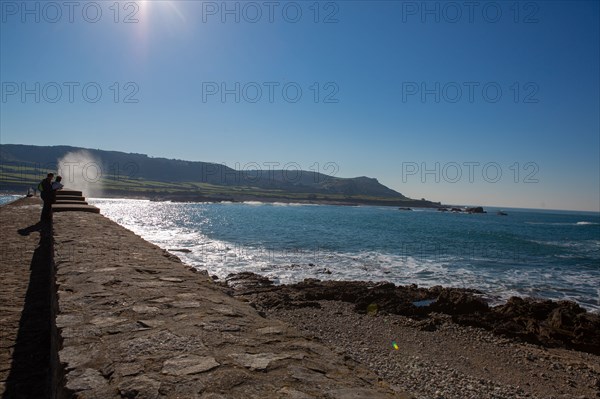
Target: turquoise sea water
536	253
548	254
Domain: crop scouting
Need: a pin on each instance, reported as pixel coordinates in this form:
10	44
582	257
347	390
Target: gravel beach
432	354
437	358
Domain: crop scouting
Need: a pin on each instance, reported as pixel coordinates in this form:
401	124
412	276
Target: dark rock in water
452	301
201	272
405	209
456	210
476	209
501	213
311	280
169	255
247	281
180	250
442	209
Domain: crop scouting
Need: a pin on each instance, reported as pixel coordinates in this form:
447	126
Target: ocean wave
181	226
584	223
255	203
292	204
290	266
591	245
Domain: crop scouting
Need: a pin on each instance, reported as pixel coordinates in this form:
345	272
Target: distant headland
117	174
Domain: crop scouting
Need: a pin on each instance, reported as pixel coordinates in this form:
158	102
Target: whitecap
291	204
155	223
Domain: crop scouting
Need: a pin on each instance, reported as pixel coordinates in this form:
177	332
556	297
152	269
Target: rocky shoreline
552	324
441	342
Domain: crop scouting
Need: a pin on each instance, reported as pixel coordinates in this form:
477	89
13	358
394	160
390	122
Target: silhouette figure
47	194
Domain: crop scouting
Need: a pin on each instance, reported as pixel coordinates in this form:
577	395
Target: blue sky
492	105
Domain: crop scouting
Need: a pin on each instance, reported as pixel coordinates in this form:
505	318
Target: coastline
494	294
305	198
403	205
290	262
119	296
547	323
248	237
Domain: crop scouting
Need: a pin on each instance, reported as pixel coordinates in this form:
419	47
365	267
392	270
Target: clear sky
486	103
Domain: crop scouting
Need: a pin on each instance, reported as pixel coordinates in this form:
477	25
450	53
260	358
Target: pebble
429	370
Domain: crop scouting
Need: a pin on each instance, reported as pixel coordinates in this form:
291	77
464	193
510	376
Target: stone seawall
28	358
132	321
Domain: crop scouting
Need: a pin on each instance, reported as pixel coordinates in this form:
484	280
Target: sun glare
155	17
159	8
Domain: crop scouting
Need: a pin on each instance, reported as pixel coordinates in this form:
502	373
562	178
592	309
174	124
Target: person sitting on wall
57	185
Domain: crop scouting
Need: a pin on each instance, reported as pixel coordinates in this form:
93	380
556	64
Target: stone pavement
134	322
25	301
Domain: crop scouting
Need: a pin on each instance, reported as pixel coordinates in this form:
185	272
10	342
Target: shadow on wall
30	372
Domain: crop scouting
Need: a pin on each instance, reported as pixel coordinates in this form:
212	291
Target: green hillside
113	173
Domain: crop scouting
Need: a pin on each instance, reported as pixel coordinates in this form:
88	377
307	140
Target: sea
537	253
